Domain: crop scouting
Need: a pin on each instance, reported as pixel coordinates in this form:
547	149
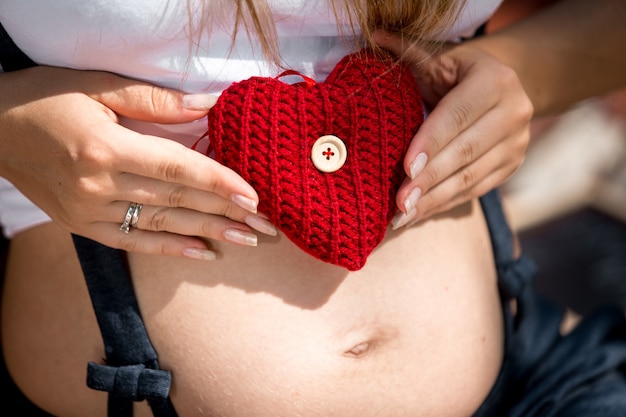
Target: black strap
131	372
11	57
514	274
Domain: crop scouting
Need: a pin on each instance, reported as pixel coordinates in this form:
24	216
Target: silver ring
135	217
130	213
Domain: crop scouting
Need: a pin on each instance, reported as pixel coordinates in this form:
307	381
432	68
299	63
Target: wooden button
328	153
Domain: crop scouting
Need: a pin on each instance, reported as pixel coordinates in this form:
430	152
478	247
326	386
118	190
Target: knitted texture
264	129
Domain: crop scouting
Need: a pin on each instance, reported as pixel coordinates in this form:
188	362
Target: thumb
147	102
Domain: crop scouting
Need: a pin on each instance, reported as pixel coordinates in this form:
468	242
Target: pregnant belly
270	331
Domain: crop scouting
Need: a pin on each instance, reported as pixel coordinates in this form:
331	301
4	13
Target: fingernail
198	101
418	164
262	225
415	220
245	202
411	200
401	219
240	237
202	254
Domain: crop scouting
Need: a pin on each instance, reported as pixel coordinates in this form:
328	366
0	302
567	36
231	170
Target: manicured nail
245	202
412	222
418	164
261	224
202	254
411	200
198	101
240	237
401	219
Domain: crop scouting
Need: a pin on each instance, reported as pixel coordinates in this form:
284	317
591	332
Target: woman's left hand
475	135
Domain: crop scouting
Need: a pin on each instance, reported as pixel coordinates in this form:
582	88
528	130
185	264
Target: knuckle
89	187
434	142
507	80
172	171
158	100
84	186
177	197
93	155
468	151
157	221
461	114
506	76
467	178
230	210
162	249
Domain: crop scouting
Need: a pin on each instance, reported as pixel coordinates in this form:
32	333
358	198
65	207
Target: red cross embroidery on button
328	153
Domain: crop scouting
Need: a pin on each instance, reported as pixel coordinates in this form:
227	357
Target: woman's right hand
62	147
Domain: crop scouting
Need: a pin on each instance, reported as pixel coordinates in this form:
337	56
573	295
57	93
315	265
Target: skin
99	165
271	331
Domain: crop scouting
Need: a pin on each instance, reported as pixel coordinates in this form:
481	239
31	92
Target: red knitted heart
264	129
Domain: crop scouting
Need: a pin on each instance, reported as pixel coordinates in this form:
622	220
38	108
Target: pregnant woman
441	320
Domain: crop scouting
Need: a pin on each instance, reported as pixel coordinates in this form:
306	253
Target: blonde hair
412	19
416	20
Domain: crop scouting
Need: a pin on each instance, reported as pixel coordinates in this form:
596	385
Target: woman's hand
61	145
475	135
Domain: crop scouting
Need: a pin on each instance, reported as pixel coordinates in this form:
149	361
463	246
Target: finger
466	148
189	223
143	101
170	162
469	182
220	214
461	108
460	186
478	190
150	191
152	243
506	121
447	196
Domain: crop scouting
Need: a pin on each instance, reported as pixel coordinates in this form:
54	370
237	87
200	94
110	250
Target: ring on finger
135	217
130	214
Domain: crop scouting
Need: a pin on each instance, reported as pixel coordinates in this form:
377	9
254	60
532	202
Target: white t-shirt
149	40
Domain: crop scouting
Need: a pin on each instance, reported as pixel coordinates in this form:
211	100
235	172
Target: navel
359	350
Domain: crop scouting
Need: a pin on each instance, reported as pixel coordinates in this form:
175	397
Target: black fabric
11	57
545	373
131	372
